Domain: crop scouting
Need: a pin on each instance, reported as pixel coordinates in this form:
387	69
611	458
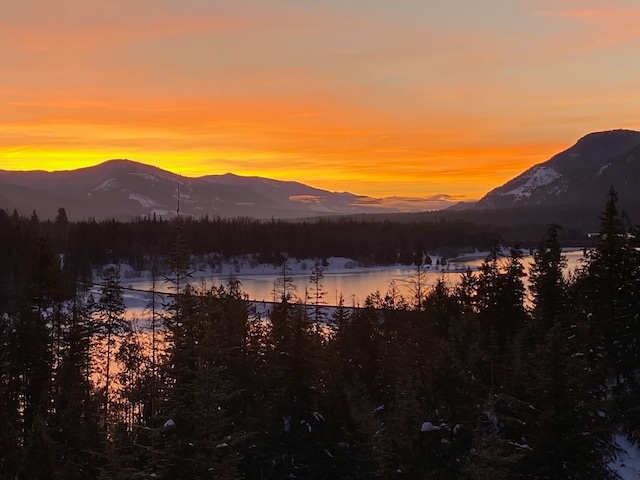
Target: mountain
124	189
570	189
578	177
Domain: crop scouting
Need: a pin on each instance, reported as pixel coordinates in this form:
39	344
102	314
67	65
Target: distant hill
570	189
123	189
578	177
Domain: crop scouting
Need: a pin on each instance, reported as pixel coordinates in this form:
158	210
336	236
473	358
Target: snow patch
428	427
109	184
535	178
162	213
169	423
142	200
602	169
626	461
306	198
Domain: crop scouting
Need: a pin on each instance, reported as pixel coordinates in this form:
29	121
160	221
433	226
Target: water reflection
354	285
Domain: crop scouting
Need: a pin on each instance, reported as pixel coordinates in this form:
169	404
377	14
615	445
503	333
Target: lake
355	284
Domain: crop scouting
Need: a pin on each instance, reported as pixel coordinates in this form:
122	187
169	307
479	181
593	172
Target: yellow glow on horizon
465	174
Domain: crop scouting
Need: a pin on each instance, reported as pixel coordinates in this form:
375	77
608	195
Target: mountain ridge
577	176
125	189
575	179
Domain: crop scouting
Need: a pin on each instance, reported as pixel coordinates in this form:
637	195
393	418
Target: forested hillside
89	243
481	379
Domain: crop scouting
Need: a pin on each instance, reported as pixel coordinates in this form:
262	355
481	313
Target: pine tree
293	368
111	323
74	422
418	281
132	378
284	288
500	296
442	308
557	378
201	443
318	313
339	318
61	230
610	281
153	310
33	337
393	299
39	453
465	291
181	271
570	423
548	285
10	392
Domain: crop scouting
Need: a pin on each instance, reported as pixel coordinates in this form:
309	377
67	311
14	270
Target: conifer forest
504	374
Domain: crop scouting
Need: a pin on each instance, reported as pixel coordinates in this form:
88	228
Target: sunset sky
378	97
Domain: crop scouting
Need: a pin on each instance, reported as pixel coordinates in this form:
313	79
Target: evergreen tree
466	290
39	454
318	313
610	281
74	422
200	442
500	300
548	285
284	289
442	307
111	323
33	337
10	392
559	374
296	442
418	281
568	424
393	299
153	310
339	318
61	230
180	269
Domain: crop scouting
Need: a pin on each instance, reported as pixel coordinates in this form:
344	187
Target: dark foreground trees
483	379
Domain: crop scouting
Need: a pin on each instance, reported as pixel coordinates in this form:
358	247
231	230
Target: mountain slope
577	177
123	189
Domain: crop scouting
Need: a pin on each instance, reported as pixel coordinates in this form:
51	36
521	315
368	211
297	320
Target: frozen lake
354	284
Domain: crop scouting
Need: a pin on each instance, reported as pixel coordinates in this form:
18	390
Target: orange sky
377	97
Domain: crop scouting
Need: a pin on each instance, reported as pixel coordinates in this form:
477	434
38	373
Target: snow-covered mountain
123	189
577	177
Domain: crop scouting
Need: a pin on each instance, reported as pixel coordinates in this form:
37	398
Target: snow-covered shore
342	276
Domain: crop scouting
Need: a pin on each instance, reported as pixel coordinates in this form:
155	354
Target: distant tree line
484	378
90	243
